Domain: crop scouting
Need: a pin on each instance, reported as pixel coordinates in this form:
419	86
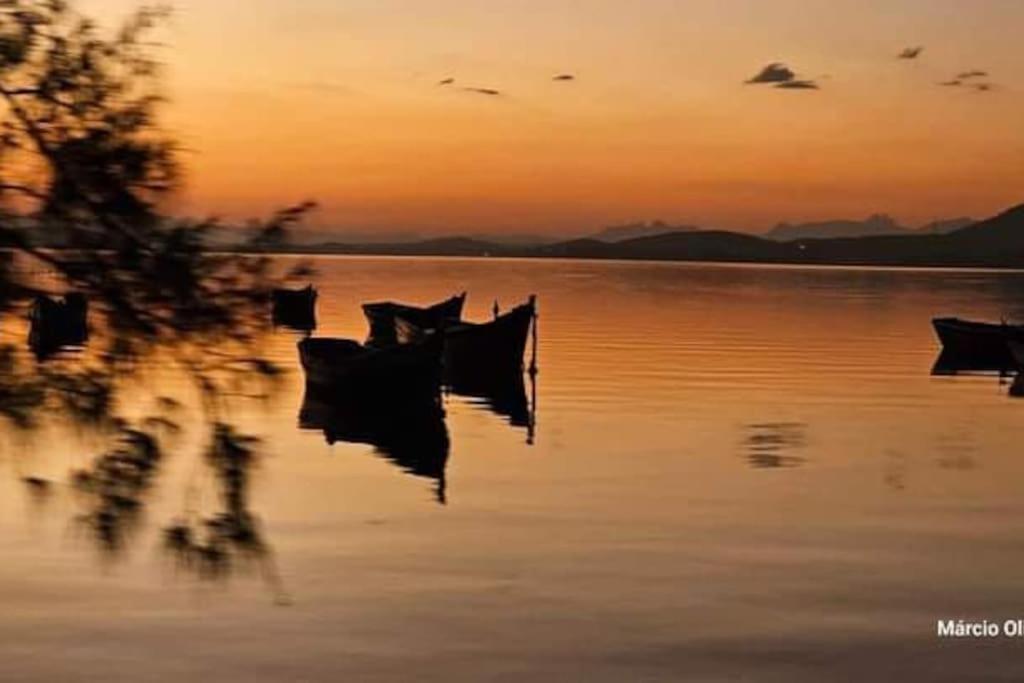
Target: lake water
736	473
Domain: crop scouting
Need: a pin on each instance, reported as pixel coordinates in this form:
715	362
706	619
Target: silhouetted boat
371	373
982	343
295	308
495	347
58	323
382	316
411	434
949	363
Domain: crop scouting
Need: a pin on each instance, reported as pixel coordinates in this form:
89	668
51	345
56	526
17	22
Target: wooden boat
382	316
58	323
983	343
410	434
950	364
369	374
295	308
495	347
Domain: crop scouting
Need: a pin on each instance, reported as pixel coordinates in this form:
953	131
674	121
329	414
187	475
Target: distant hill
878	224
618	233
997	242
945	226
713	245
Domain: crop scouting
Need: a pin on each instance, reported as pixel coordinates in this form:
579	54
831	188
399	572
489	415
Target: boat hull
493	349
361	374
295	308
976	343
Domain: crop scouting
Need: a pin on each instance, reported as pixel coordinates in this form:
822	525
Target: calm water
738	473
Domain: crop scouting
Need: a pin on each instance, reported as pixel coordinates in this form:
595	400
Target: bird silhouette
564	77
484	91
446	81
910	53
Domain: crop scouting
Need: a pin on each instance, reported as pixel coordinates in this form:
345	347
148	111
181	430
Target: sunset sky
337	100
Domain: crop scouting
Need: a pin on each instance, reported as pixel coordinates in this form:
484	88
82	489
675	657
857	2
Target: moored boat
492	348
58	323
983	343
381	317
295	308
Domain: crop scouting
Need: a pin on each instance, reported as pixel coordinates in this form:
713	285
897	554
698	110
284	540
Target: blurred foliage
86	176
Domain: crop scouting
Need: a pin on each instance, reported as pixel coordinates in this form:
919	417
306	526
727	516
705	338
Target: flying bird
911	52
954	83
972	74
983	87
446	81
484	91
564	77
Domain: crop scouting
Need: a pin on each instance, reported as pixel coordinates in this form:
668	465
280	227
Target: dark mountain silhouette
878	224
618	233
941	227
997	242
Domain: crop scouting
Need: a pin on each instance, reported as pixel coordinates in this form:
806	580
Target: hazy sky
337	100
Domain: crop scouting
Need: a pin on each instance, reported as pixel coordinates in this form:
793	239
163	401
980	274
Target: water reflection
775	444
410	433
214	546
503	393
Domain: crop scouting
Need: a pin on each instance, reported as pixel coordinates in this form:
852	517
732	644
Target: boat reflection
503	393
411	433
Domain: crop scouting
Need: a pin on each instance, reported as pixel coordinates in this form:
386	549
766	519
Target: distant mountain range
994	242
618	233
873	226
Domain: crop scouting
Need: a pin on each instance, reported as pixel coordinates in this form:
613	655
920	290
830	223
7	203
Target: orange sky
337	101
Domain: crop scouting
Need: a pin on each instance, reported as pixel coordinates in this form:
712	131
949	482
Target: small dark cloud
484	91
446	81
969	79
797	84
564	77
773	73
911	52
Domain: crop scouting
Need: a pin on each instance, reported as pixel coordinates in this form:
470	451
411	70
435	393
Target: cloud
779	75
797	84
773	73
969	79
911	52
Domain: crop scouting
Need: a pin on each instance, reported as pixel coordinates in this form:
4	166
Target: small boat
58	323
493	348
981	343
295	308
369	374
382	316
